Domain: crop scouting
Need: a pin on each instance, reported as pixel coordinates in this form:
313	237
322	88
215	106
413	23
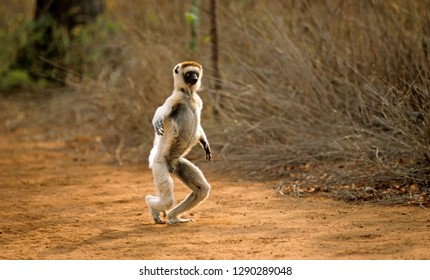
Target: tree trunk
49	36
214	45
69	13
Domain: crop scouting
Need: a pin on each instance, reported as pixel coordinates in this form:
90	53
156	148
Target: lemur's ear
176	69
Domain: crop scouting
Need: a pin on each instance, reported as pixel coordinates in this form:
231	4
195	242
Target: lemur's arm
162	113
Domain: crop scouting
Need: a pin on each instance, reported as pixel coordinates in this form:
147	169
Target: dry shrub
328	81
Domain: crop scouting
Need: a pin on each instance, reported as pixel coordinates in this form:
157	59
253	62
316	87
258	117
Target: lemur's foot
158	221
176	220
156	215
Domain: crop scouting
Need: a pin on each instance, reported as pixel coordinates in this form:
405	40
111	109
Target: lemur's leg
193	177
164	199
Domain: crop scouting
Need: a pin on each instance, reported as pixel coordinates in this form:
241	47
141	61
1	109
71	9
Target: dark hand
159	127
208	151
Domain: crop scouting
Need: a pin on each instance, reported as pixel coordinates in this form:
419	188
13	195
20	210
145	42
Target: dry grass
332	81
338	85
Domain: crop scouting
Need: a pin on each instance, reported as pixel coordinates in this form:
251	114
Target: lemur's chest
187	111
184	121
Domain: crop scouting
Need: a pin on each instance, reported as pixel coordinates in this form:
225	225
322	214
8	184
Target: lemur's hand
208	151
159	126
206	147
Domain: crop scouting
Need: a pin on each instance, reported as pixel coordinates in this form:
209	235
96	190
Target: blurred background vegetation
318	94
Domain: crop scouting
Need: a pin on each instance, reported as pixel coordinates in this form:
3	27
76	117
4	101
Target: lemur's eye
189	74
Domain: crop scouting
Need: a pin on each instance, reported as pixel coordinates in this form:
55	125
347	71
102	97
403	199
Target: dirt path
57	204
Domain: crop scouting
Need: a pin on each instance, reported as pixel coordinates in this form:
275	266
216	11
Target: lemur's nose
194	79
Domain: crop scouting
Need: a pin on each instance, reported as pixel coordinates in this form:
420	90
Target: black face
191	77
